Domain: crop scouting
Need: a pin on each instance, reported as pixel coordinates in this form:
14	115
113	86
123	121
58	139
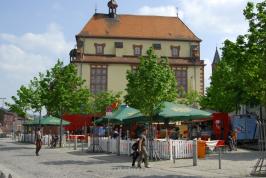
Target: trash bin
201	149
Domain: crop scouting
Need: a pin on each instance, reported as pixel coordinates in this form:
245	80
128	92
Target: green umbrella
180	112
119	115
50	120
140	118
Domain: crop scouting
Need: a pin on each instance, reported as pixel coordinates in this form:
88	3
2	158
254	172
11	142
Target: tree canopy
58	90
150	84
240	77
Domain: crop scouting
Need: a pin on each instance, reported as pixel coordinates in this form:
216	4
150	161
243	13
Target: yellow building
110	44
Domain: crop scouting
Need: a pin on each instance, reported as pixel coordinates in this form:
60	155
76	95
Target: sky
35	33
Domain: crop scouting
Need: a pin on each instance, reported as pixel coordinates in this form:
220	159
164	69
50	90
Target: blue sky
35	33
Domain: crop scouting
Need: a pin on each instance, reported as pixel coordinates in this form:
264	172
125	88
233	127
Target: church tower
216	60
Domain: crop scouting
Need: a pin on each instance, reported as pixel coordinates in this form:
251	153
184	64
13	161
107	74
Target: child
135	153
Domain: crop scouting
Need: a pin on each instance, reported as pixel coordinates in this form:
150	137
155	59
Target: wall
128	46
191	79
117	77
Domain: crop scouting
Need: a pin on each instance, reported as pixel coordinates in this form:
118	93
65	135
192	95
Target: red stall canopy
221	125
77	121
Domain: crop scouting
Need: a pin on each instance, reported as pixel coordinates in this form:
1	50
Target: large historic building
110	44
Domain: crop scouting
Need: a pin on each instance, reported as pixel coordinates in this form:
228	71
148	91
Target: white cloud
207	72
212	20
160	11
219	16
21	65
23	57
51	42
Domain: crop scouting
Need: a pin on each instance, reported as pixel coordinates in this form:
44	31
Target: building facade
110	44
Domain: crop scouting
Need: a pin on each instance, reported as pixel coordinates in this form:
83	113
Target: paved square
20	160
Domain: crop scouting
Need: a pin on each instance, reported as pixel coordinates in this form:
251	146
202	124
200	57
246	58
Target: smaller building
10	122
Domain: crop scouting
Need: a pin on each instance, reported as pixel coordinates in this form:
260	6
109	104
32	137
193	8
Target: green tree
191	98
151	84
64	92
240	76
21	103
104	99
59	91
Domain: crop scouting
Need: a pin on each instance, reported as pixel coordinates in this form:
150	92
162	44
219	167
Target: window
194	51
156	46
181	77
175	51
137	50
118	44
99	48
98	81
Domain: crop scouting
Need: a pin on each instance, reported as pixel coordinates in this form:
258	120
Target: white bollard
170	149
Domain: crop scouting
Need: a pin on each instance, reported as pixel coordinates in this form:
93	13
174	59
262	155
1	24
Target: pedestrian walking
234	139
142	149
135	153
38	141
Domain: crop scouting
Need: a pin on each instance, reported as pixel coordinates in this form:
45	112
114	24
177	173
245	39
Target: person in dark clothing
38	141
135	153
54	141
230	141
142	150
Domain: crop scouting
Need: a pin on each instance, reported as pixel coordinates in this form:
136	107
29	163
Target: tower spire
216	59
112	4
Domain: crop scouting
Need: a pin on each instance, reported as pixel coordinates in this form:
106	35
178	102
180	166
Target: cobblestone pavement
19	160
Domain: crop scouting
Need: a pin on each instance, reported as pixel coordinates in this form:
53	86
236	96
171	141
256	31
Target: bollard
75	143
171	148
220	164
174	154
195	155
2	175
82	146
108	144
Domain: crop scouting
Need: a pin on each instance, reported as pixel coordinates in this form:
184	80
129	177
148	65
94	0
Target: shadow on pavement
20	143
123	167
235	156
77	153
33	154
15	148
182	166
99	159
112	158
72	162
167	176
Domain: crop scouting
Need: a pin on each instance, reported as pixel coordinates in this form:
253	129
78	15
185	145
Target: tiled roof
137	27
